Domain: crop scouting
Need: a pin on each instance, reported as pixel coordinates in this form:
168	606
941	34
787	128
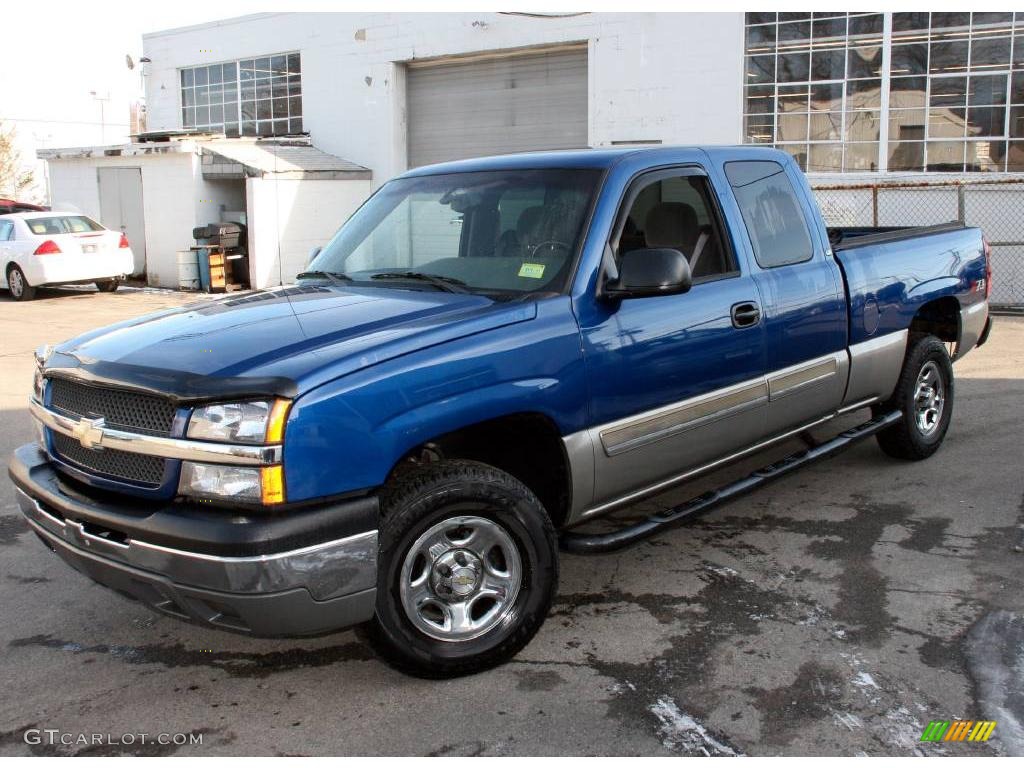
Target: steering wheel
551	245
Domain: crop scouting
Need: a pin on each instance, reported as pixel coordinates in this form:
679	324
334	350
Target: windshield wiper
450	284
334	277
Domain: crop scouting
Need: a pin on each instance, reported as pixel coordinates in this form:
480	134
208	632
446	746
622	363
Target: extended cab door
804	303
675	381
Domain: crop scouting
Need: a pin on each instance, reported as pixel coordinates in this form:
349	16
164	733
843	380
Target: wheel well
526	445
939	317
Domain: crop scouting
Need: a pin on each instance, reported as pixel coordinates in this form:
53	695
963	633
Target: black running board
586	544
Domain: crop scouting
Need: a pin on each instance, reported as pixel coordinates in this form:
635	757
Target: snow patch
995	659
681	732
847	719
865	680
722	570
903	730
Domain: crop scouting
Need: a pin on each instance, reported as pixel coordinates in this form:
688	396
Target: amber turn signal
272	484
277	419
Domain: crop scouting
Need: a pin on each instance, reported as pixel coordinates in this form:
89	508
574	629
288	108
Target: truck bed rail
844	238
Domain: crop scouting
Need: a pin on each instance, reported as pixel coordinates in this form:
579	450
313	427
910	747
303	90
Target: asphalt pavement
837	611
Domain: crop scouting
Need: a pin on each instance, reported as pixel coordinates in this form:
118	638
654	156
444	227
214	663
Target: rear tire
924	393
467	569
107	286
18	284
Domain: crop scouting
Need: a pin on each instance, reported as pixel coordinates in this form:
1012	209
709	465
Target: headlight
251	485
37	385
259	421
43	353
40	431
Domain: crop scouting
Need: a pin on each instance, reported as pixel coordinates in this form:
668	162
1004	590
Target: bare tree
15	179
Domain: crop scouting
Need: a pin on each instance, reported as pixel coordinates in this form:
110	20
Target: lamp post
42	140
103	121
139	105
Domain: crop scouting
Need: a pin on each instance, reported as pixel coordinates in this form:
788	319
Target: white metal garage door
497	105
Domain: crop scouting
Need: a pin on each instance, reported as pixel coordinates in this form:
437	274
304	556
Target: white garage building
346	101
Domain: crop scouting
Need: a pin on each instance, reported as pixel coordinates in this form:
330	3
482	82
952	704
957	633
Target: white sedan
53	248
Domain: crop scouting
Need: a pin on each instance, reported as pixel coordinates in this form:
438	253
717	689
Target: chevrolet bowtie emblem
89	432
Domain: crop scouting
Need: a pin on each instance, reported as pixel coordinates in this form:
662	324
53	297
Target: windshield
491	232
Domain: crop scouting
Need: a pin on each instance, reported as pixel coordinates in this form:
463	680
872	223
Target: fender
406	401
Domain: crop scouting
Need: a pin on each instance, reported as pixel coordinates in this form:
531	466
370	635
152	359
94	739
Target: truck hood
279	341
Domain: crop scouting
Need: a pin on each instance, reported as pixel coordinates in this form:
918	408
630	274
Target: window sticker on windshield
536	271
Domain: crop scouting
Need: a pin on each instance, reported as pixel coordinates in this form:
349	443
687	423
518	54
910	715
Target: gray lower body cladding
618	463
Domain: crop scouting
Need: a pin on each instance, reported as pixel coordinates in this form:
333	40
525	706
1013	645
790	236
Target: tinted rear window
771	212
62	225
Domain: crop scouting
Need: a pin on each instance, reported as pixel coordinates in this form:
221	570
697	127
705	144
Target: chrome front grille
135	468
126	411
129	411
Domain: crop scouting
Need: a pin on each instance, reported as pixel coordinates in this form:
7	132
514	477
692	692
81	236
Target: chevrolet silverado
486	355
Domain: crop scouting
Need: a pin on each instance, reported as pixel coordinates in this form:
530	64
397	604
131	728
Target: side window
6	227
677	212
771	212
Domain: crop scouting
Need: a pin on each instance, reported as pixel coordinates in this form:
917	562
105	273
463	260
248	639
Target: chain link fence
994	205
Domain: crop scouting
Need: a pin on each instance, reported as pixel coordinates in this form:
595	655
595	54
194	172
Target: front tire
468	566
107	286
924	393
18	285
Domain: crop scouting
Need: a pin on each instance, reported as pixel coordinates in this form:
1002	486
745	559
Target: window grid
825	143
261	96
981	54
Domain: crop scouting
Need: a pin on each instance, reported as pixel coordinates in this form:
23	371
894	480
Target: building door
497	105
121	208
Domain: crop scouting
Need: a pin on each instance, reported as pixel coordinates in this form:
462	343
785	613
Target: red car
13	206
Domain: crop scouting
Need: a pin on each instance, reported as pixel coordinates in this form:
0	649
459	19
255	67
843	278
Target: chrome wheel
460	578
929	398
16	283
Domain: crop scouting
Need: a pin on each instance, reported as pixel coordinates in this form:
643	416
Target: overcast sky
77	50
55	52
61	52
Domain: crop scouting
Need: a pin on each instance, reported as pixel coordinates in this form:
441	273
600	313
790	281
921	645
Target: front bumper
299	572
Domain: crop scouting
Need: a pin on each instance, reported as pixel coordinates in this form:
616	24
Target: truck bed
891	272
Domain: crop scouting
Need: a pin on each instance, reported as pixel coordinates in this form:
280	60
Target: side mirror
650	272
313	253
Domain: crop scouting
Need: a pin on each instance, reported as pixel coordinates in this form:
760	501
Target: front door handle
745	314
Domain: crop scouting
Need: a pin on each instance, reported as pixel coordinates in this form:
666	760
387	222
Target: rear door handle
745	314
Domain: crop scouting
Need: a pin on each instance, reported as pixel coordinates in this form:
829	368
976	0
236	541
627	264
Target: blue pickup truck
487	354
